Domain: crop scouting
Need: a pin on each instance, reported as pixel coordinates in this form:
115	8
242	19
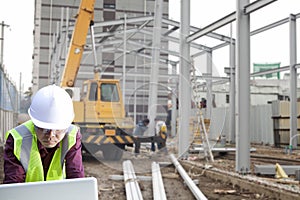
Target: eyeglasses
55	131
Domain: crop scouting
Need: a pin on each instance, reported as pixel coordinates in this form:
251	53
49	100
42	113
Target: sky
270	46
18	39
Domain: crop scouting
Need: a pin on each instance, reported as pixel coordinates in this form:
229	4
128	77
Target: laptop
67	189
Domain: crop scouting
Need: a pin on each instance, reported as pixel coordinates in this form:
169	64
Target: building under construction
120	55
165	69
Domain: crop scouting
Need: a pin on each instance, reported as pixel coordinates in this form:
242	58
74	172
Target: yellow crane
100	112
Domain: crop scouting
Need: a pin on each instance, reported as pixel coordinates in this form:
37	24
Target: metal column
184	80
174	102
124	57
232	96
174	111
243	88
135	87
152	110
208	84
293	81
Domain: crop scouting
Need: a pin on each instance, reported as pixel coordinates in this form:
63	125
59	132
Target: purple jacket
15	173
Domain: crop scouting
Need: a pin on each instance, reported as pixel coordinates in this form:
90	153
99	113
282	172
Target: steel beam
207	76
195	29
257	31
145	46
256	5
194	189
157	183
177	40
270	71
122	21
114	34
227	19
208	29
133	191
270	26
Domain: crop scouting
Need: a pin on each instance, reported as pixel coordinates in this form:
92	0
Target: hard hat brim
46	125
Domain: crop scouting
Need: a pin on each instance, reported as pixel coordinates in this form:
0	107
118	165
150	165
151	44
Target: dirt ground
113	188
174	185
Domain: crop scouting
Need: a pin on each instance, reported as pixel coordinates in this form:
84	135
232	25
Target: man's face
49	138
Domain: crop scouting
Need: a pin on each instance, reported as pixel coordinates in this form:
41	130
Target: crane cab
100	103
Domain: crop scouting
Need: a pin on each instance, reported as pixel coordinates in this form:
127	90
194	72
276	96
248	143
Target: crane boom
84	19
99	110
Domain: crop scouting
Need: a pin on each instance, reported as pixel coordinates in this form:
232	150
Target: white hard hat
51	108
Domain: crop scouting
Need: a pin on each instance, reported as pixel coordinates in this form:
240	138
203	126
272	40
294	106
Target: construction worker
160	130
139	131
48	146
169	115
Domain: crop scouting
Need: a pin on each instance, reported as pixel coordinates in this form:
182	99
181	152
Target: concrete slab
270	169
218	149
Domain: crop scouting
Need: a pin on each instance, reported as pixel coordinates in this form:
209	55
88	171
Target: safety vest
161	129
27	152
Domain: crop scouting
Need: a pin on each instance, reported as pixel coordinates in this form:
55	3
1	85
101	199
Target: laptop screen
67	189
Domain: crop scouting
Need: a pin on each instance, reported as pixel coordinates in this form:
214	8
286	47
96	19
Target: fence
8	105
261	124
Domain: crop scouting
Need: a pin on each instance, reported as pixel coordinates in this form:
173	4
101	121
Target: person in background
169	117
139	131
160	130
46	147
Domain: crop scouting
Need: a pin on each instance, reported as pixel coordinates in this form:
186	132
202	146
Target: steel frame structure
115	39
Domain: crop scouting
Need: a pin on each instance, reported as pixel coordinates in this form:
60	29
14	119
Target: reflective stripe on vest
26	150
